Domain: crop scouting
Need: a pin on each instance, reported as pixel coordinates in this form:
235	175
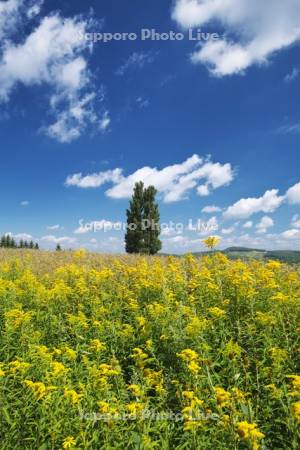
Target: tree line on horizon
8	241
143	225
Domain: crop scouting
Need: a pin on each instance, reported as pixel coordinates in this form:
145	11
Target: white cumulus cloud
293	194
229	230
248	224
94	180
246	207
254	31
50	239
265	223
173	182
53	55
291	234
210	209
295	221
9	16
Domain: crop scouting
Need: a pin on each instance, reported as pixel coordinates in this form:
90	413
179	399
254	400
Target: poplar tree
143	218
134	234
151	219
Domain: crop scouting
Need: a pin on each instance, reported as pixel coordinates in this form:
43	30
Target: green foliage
134	234
143	218
9	242
143	353
289	256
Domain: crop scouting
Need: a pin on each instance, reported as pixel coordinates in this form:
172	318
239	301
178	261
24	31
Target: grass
131	352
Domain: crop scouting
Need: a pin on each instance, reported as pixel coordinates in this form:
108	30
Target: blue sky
215	125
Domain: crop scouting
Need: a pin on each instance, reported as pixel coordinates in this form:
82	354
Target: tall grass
102	352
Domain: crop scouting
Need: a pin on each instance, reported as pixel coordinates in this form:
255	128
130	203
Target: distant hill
244	253
287	256
243	249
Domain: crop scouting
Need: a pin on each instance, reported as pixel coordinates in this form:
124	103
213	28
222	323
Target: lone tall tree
151	218
143	228
134	234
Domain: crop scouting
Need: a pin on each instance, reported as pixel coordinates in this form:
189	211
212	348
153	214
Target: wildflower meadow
133	352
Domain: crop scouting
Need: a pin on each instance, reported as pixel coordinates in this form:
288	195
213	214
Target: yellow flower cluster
249	432
38	388
223	397
156	352
190	357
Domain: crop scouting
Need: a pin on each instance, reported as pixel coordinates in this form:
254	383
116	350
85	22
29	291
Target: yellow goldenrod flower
193	367
296	410
70	393
240	395
191	425
97	345
249	432
188	355
211	242
127	330
135	408
39	389
273	265
103	406
225	421
18	366
69	442
278	355
223	397
107	370
43	352
135	390
70	354
80	253
295	381
196	326
223	320
58	369
232	350
139	356
217	312
265	318
141	322
57	351
280	297
16	317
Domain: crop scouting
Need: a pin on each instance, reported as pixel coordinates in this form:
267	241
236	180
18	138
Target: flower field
103	352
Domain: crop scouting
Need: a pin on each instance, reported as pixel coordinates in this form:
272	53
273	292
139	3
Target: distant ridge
243	249
287	256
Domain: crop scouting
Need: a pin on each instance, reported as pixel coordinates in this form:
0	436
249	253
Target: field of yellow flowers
103	352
